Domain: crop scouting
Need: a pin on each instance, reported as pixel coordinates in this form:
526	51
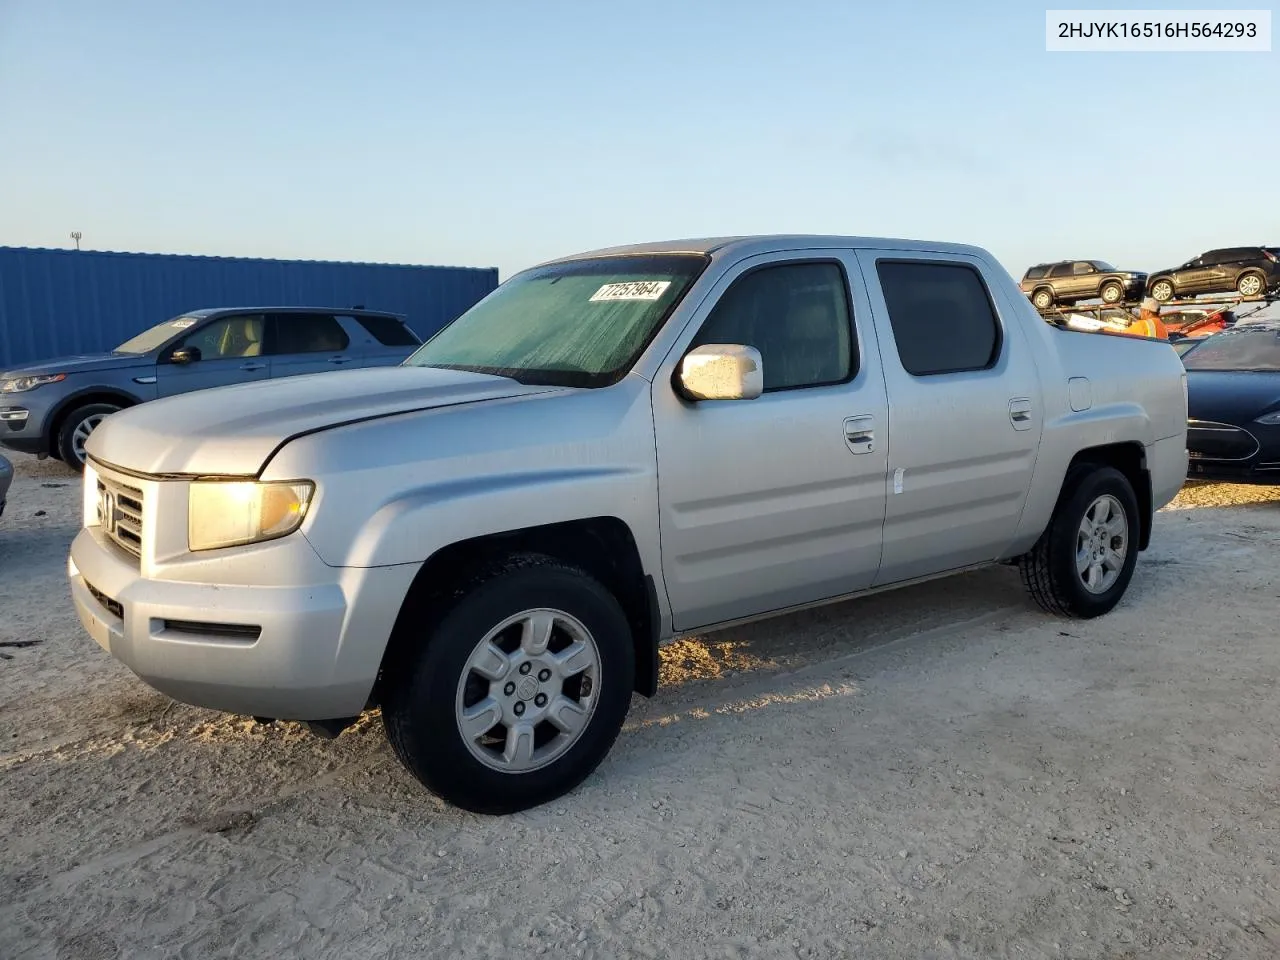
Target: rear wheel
1042	298
1250	285
75	431
1083	562
518	691
1162	290
1112	292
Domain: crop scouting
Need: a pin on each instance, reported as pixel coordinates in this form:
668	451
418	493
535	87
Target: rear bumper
1265	474
278	651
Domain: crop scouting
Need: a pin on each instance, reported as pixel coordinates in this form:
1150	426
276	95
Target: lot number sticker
632	290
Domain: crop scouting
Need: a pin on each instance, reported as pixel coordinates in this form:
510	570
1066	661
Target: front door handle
1020	413
339	359
860	433
253	366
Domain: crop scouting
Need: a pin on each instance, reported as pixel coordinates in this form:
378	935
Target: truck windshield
156	336
577	324
1240	348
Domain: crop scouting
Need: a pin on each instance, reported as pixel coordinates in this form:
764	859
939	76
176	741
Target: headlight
1271	419
232	513
23	384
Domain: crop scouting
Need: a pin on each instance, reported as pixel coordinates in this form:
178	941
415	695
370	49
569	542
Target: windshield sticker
632	290
181	324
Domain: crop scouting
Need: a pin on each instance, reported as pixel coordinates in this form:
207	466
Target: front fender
419	522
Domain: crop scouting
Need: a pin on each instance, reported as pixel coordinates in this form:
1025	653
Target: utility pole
76	235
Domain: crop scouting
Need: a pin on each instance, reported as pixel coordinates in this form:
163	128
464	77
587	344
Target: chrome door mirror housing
721	371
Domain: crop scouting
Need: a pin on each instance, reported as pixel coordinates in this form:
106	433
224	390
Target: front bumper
22	428
1233	454
309	649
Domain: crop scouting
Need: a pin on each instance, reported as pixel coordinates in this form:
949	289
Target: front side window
581	323
308	333
796	315
1084	268
228	337
941	315
1241	348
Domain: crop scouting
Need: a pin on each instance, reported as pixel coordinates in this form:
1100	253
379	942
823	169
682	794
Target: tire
1112	292
1251	284
75	429
1042	298
437	684
1162	290
1051	570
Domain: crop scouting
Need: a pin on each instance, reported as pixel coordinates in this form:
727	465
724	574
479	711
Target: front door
965	412
230	351
777	501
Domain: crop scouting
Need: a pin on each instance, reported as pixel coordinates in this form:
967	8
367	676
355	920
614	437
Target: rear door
308	343
1084	280
382	339
230	352
965	412
1062	278
777	501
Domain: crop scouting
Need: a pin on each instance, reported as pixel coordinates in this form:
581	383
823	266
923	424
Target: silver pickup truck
491	541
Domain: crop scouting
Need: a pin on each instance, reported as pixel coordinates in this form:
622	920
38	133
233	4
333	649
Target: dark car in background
1068	281
50	408
1233	404
1248	271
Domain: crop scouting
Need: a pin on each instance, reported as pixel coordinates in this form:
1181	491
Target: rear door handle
253	366
1020	413
339	359
860	433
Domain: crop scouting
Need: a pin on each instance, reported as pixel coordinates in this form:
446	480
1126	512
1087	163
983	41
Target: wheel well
601	546
1131	460
83	400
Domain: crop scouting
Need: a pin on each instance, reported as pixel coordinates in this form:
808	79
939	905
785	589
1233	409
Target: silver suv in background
609	450
50	408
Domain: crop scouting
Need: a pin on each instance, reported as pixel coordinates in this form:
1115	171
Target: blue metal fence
59	302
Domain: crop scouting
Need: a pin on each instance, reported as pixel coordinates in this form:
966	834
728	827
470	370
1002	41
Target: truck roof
745	246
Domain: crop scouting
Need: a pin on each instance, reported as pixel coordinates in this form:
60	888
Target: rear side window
1036	273
308	333
941	315
1061	270
388	331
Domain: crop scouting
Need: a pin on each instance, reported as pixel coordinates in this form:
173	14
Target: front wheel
1082	564
519	691
75	430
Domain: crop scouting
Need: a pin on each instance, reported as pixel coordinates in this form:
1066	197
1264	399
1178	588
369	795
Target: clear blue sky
501	133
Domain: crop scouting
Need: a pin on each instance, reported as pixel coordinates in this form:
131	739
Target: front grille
120	514
1207	440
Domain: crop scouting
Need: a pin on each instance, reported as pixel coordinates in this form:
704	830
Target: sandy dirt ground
938	772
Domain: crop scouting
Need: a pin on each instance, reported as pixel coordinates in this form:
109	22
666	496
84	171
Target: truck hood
234	430
81	363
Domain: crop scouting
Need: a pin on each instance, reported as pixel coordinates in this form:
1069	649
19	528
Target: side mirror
185	355
721	371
